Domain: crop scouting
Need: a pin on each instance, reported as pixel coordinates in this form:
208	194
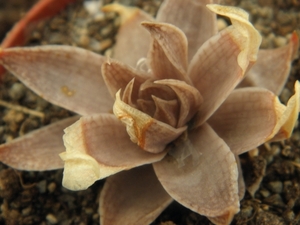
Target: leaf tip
226	218
245	35
80	169
286	116
295	43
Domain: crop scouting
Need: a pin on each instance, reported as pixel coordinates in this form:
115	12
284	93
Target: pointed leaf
221	62
189	97
132	197
272	67
38	150
132	41
166	111
251	116
117	75
66	76
168	53
206	181
193	18
150	87
247	36
128	93
147	106
97	147
287	116
246	118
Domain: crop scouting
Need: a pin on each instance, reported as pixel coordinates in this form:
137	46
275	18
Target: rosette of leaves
165	118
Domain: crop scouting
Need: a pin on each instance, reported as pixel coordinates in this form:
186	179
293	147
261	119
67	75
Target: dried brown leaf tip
172	87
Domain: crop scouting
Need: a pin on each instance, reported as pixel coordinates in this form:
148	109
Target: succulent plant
183	110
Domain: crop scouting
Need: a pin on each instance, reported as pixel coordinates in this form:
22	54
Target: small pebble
275	186
247	211
30	97
284	18
289	215
275	149
265	44
42	186
51	187
265	193
95	217
259	25
26	211
167	223
93	7
105	44
266	12
99	17
275	200
17	91
51	219
287	151
8	138
13	116
84	41
106	30
279	41
89	211
56	38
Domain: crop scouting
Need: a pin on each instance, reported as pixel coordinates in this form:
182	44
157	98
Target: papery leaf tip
225	10
286	116
248	38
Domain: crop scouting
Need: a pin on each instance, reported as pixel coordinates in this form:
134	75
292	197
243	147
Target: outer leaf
287	116
252	116
132	41
98	146
250	36
37	150
246	118
221	62
132	197
272	67
206	181
192	17
66	76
